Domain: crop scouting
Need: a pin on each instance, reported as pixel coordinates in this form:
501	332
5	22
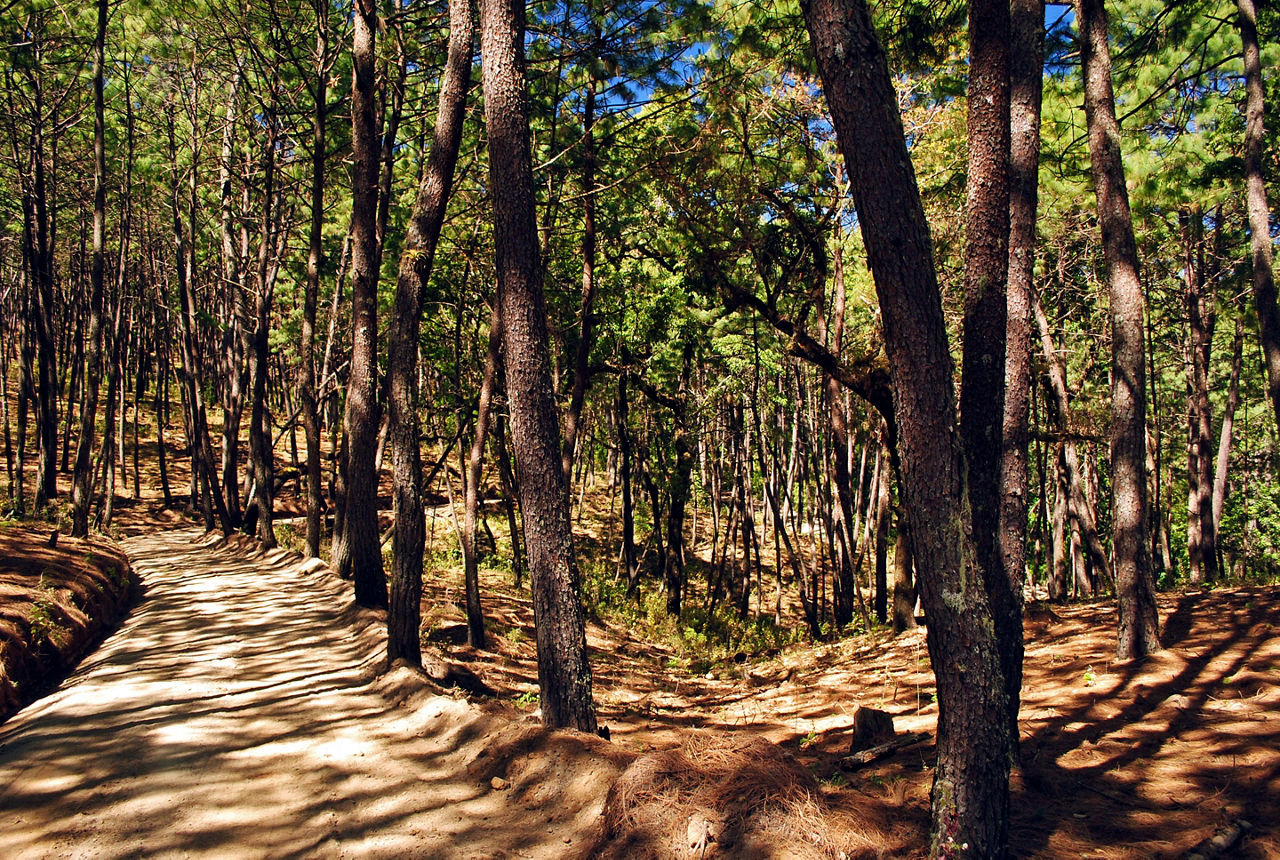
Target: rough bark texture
475	462
1202	549
233	340
1264	283
260	448
1135	584
564	676
359	550
586	322
1026	74
884	498
982	387
971	784
39	241
416	260
628	553
1225	433
310	297
82	478
904	592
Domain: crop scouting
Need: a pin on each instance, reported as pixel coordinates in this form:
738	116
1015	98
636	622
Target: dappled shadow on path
233	716
1150	755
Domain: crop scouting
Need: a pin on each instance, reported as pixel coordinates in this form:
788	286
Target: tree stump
871	728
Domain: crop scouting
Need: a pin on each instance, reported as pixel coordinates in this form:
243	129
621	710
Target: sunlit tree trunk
971	783
564	676
359	551
82	477
416	260
1135	584
1264	283
311	294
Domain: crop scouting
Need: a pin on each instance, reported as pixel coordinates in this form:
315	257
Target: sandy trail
236	714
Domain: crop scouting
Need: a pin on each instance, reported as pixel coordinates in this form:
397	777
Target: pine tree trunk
1223	459
1026	73
82	477
1202	550
416	260
582	355
904	591
1264	283
260	448
359	550
1135	584
311	294
971	784
564	676
990	457
475	462
233	365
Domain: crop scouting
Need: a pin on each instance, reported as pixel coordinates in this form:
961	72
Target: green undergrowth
703	639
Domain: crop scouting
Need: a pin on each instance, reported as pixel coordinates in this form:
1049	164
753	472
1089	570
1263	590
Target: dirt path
235	715
238	713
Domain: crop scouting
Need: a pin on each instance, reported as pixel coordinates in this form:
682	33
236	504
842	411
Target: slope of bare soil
56	603
1123	760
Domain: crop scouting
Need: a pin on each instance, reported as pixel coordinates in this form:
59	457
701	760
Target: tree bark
1026	73
983	408
971	784
904	591
564	675
1225	433
39	242
475	462
625	457
1138	633
359	550
582	355
884	494
1264	283
82	477
233	366
1202	550
260	447
311	293
416	261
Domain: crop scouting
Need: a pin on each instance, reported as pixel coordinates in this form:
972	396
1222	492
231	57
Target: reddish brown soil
56	603
1121	760
1126	760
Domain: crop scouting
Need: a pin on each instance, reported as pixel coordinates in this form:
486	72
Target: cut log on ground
867	756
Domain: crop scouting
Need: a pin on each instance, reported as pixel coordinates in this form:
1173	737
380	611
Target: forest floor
242	711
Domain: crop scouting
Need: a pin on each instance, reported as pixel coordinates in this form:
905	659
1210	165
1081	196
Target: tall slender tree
970	795
986	314
1264	281
564	676
416	259
1135	582
358	550
310	297
82	478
